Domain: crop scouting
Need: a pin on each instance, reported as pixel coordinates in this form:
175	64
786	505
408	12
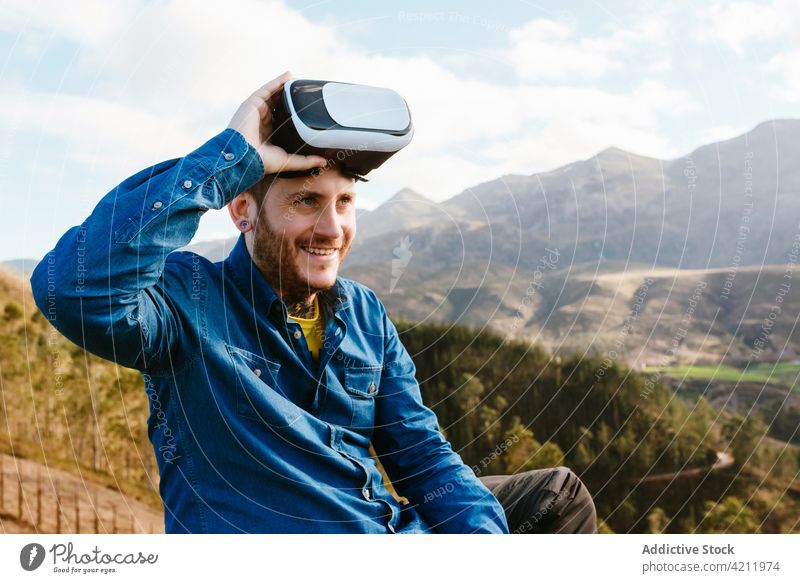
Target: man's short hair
260	188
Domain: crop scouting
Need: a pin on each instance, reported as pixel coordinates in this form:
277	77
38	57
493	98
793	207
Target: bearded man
268	375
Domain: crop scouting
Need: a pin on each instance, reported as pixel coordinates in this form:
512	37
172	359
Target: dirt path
724	460
48	500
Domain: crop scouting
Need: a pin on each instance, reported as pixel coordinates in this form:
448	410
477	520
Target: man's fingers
269	105
273	99
264	99
264	92
298	162
272	102
264	109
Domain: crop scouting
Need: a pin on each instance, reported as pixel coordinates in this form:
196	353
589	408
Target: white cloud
653	96
548	50
566	140
661	66
170	74
98	131
738	23
438	176
720	133
93	23
758	28
787	64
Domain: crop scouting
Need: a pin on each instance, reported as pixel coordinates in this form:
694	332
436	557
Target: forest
654	461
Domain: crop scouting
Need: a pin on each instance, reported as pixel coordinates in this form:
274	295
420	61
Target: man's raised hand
253	120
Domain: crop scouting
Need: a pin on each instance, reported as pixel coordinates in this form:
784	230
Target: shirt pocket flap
362	381
257	389
267	370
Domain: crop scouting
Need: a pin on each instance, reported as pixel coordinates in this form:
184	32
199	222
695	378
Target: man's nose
329	223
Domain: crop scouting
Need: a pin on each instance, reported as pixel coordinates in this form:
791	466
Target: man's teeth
318	251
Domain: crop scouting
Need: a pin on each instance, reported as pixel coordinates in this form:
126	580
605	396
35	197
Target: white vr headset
357	127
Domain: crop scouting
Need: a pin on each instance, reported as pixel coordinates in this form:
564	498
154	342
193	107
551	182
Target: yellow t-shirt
312	330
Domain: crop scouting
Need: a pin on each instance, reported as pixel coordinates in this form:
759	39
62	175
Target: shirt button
228	156
187	183
365	493
257	372
157	205
297	334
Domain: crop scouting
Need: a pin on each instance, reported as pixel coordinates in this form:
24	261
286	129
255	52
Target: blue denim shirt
250	435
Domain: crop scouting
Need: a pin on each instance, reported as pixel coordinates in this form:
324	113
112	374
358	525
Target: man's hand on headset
253	120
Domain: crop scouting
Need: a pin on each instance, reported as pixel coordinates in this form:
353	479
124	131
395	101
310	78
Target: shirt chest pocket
258	395
362	384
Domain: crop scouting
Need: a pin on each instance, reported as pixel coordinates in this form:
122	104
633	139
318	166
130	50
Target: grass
782	373
141	491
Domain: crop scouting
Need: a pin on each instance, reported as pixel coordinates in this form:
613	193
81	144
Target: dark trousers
552	500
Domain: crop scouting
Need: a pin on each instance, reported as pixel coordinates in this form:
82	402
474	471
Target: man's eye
304	201
345	200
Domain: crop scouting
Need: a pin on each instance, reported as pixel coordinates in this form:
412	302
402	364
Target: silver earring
244	224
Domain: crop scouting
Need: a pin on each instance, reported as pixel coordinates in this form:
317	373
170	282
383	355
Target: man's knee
574	507
563	504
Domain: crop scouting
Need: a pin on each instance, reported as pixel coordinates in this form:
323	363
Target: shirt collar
252	283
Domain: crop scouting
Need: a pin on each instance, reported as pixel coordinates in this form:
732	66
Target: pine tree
657	521
726	517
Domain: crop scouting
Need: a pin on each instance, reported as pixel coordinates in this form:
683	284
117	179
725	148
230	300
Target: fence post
114	519
58	510
39	498
19	494
96	513
77	511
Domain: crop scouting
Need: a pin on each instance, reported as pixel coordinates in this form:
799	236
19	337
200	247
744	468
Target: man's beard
277	258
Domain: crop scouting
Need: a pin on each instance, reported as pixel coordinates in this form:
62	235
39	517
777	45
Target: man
268	375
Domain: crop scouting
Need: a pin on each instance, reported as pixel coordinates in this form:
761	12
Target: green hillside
651	458
66	407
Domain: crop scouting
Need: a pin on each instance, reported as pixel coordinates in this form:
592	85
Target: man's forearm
419	461
443	489
101	278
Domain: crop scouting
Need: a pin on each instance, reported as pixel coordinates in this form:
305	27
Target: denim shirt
250	435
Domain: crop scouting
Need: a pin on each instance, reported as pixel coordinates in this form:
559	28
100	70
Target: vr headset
357	127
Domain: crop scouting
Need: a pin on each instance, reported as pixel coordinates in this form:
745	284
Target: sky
93	91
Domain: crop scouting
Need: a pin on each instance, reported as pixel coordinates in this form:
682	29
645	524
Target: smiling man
297	237
268	375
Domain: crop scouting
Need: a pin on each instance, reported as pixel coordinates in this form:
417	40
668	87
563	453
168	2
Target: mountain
715	215
21	266
644	316
721	211
619	206
405	210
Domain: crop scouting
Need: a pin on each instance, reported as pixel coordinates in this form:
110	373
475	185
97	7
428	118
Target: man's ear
244	211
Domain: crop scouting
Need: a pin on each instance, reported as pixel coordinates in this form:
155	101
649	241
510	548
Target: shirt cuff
231	161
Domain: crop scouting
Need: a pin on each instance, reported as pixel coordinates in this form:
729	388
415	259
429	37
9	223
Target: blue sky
95	91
